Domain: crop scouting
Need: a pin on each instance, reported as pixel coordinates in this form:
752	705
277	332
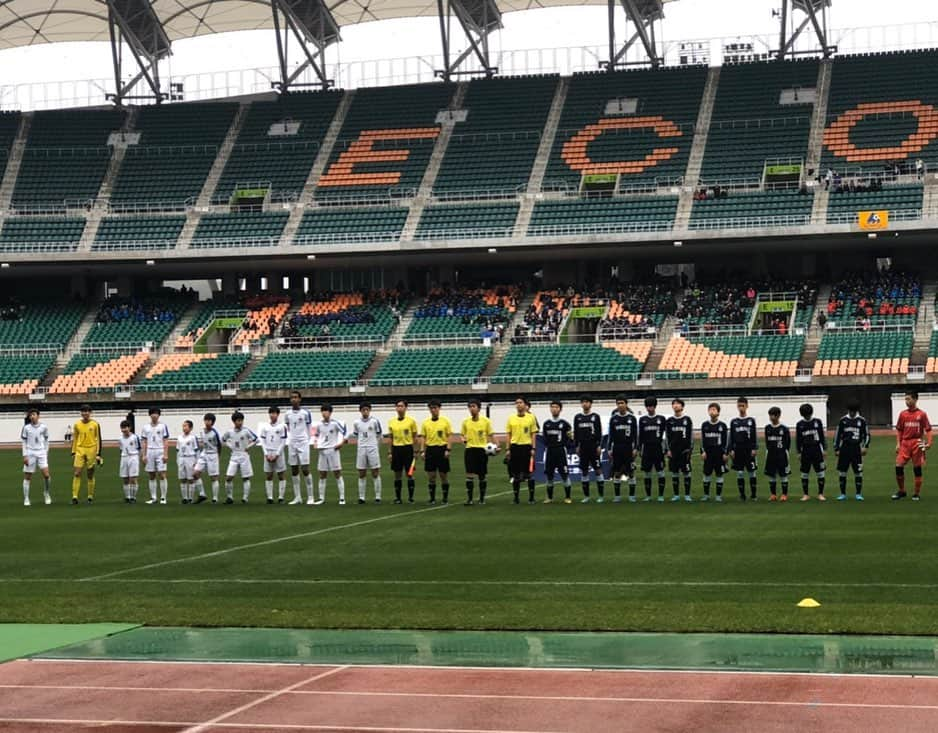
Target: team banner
573	463
872	221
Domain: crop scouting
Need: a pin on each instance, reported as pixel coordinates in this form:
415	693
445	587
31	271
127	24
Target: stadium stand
66	157
734	210
880	113
731	357
127	322
263	156
294	369
709	304
751	127
334	318
494	149
566	363
846	201
99	371
866	299
324	225
636	311
192	372
468	221
595	135
41	233
247	228
641	213
385	143
431	366
864	353
138	232
204	317
20	375
463	314
47	323
9	126
931	365
262	319
178	145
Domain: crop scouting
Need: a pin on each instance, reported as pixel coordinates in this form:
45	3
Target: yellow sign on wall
872	221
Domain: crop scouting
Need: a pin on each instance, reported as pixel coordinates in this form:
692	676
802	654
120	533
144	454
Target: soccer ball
491	449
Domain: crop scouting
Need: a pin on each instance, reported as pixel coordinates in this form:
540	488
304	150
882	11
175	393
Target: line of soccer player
651	442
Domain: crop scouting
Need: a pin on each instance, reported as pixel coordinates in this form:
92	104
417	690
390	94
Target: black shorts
679	462
812	459
519	460
743	460
850	457
623	462
777	464
555	461
402	457
652	460
589	458
437	459
714	463
476	461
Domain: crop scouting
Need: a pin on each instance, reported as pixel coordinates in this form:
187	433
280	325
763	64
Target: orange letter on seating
574	150
362	152
837	136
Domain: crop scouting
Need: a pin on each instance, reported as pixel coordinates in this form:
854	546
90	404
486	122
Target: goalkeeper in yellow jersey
86	452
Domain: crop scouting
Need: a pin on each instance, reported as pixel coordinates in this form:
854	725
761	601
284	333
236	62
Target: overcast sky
562	27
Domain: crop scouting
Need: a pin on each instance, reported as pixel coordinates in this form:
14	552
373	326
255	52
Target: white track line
257	726
272	541
261	700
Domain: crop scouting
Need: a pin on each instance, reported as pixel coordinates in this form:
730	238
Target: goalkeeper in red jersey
913	439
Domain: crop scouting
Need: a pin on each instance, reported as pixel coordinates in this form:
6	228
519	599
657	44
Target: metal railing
30	349
328	343
832	327
752	222
850	217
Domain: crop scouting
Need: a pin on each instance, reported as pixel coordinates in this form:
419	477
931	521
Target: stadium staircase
924	324
396	339
8	183
114	164
500	350
204	200
425	191
813	336
78	338
188	230
695	161
930	197
183	323
816	141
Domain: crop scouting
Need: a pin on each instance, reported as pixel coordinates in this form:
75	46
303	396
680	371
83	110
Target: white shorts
368	457
278	465
155	463
298	454
240	462
186	466
330	460
34	461
130	466
207	463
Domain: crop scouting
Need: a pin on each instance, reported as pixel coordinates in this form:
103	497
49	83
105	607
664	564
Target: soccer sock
269	489
229	489
531	489
917	471
445	488
246	489
215	487
662	482
377	483
772	485
858	482
411	488
296	487
76	486
675	484
201	487
804	483
632	486
432	488
483	487
741	484
706	485
821	480
585	485
282	489
900	479
47	483
516	487
567	487
753	485
843	482
720	486
617	487
25	490
550	489
362	488
647	485
341	484
153	490
322	489
470	489
164	488
687	484
784	487
91	483
309	484
133	490
398	487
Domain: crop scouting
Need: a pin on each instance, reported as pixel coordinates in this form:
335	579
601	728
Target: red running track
157	697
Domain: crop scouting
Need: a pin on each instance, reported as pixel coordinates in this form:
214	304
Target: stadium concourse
393	289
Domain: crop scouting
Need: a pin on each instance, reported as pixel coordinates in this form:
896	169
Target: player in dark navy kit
679	437
810	442
651	440
777	447
744	445
588	436
850	445
557	434
622	438
714	444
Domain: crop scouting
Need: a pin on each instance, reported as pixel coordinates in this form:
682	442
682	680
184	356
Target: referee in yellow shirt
522	429
86	452
403	432
436	432
477	433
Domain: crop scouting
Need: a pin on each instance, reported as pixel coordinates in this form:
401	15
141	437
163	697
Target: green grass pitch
700	567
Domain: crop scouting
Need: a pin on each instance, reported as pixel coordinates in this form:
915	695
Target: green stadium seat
325	225
431	366
290	369
41	234
138	232
636	213
566	363
467	221
753	210
244	228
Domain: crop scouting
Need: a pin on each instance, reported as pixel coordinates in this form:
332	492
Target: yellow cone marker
808	603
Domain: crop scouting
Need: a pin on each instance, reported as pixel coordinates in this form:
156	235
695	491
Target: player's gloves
99	460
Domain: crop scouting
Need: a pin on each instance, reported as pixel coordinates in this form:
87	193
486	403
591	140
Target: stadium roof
31	22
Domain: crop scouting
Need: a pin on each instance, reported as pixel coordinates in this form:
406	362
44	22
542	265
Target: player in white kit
330	435
273	438
187	451
207	461
298	421
155	437
367	434
130	462
239	439
35	437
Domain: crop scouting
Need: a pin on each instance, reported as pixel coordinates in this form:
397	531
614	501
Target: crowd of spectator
155	309
836	182
488	309
868	298
708	306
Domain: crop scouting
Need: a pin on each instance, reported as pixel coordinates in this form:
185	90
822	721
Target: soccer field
652	567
